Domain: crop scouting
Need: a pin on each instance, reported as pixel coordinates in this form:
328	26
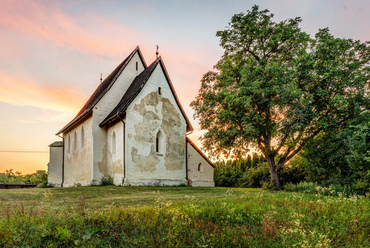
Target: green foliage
253	172
276	88
10	177
331	190
180	217
339	158
106	180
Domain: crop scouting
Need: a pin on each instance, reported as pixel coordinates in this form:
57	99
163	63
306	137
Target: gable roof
135	88
199	151
102	89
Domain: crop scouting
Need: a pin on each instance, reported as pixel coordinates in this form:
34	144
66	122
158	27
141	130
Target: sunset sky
52	54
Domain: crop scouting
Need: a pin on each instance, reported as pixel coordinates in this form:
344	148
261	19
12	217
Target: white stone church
133	129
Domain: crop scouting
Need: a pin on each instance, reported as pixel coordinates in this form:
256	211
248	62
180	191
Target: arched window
159	146
75	141
82	143
200	167
114	143
69	144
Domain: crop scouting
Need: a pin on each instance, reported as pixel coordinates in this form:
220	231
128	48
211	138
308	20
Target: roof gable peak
135	88
103	88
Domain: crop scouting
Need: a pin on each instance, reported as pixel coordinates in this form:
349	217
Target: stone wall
55	164
115	154
200	171
78	157
155	136
104	107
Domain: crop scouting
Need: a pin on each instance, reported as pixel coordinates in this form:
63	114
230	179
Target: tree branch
248	50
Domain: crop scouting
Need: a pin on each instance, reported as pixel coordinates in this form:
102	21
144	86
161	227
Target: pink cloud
43	21
25	92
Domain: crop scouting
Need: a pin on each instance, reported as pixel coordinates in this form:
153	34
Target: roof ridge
135	88
103	88
151	69
132	91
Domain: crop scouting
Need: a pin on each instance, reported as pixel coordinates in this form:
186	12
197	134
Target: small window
69	144
75	141
82	143
159	143
114	143
137	66
159	91
200	167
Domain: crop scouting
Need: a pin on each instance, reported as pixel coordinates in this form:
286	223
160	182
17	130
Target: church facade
132	129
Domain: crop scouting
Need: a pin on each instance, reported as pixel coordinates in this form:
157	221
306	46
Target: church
132	129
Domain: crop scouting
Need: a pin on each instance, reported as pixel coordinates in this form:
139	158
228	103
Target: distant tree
275	88
9	172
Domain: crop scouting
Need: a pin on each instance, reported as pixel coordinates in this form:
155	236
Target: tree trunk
275	172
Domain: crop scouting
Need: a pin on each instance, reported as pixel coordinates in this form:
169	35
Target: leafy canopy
276	88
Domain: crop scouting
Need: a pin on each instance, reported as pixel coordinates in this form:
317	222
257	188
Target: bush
106	180
334	189
10	177
306	187
255	177
253	172
340	158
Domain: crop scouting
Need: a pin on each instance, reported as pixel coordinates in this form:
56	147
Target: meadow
111	216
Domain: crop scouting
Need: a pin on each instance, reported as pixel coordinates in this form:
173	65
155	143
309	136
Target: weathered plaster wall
115	153
78	155
55	164
202	177
147	115
103	108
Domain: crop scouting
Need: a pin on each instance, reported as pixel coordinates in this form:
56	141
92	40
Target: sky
53	52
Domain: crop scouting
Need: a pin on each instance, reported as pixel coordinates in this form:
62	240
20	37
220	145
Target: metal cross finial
157	53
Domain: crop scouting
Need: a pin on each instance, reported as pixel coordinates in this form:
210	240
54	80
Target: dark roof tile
135	89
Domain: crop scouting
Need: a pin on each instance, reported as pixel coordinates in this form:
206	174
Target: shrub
255	177
106	180
253	172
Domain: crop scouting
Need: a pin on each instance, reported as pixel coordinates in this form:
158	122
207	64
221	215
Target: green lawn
180	217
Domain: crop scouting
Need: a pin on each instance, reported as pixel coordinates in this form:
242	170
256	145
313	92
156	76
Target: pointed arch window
82	141
114	146
75	141
159	143
69	144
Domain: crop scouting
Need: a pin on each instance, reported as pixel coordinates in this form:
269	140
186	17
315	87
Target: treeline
11	177
337	159
253	172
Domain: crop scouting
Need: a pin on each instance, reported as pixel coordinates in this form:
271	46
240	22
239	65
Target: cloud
87	33
25	92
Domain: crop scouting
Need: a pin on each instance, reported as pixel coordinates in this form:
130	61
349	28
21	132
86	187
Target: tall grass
180	217
334	190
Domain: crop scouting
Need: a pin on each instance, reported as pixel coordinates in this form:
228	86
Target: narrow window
137	66
114	143
200	167
75	141
69	144
159	91
159	142
82	143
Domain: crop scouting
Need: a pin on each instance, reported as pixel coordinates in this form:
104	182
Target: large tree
275	88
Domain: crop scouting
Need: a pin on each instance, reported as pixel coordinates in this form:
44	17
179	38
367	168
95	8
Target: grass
113	216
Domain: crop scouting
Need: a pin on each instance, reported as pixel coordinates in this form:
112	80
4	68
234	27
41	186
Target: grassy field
180	217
